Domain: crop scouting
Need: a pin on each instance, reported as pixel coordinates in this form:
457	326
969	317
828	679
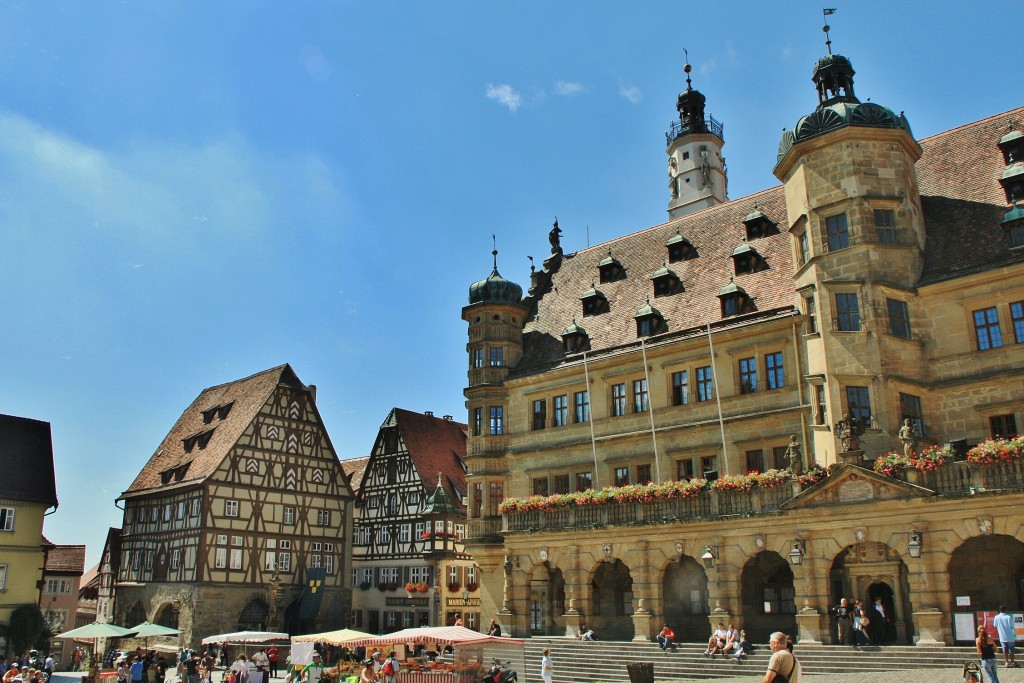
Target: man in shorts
1007	637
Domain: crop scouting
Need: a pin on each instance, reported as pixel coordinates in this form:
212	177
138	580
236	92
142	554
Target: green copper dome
1015	213
495	290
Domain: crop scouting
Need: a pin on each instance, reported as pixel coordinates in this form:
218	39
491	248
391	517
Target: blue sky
194	191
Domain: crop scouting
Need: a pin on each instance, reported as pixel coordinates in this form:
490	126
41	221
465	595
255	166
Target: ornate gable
851	484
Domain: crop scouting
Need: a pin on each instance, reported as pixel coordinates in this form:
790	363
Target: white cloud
568	88
631	93
504	94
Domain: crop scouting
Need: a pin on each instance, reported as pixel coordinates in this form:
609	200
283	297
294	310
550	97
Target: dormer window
735	300
575	339
610	268
649	321
594	302
1013	223
747	260
680	249
220	412
759	225
201	439
666	282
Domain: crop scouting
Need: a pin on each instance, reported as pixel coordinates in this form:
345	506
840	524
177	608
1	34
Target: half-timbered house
409	567
245	486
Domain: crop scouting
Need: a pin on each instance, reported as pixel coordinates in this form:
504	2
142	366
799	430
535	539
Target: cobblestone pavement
909	676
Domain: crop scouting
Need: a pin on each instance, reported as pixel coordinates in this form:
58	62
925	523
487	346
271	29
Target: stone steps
605	661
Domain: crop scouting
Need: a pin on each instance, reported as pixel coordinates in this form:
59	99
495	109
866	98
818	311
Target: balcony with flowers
661	503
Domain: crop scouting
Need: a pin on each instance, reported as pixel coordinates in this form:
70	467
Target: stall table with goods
423	658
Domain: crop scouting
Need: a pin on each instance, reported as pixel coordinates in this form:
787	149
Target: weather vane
825	11
687	68
494	253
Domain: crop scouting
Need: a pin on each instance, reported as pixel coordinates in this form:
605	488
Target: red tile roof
962	199
246	396
436	445
354	469
66	558
962	203
714	232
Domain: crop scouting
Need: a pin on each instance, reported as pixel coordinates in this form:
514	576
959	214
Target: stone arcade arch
167	616
136	614
254	616
990	570
547	600
612	600
865	571
767	596
685	597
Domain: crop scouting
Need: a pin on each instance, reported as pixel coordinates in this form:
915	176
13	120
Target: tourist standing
782	667
547	669
1007	638
987	654
842	613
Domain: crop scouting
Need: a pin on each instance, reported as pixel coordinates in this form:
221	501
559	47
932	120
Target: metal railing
678	129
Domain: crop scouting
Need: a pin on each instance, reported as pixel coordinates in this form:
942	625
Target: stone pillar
643	620
929	625
812	626
575	613
852	458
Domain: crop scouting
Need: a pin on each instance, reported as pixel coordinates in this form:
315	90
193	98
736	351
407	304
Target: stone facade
885	287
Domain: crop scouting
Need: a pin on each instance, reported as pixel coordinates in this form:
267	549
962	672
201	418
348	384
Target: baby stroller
972	672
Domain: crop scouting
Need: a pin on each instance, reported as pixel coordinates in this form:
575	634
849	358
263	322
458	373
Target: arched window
136	615
167	616
254	616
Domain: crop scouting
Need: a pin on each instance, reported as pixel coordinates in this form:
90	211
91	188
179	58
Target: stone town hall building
883	280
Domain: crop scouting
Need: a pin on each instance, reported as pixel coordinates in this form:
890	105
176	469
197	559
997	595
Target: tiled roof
246	397
963	205
66	558
714	232
93	575
354	468
962	199
26	459
435	445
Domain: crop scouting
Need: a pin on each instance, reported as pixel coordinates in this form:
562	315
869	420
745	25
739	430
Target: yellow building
881	285
26	458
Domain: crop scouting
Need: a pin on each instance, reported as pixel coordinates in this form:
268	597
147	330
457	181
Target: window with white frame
271	555
230	508
315	560
323	517
6	519
419	574
367	575
168	511
289	515
453	575
196	502
329	564
3	577
175	559
355	578
236	558
284	562
404	533
180	514
418	530
220	558
316	547
236	541
471	575
460	531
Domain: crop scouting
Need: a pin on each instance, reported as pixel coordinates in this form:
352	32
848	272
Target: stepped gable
714	232
26	458
354	469
66	558
246	396
963	203
435	445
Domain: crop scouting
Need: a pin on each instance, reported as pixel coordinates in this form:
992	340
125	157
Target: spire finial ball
687	69
826	28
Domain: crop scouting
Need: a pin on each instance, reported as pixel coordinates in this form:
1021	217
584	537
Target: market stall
342	638
246	639
424	659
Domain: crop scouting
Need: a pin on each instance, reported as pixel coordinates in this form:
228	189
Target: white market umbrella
245	637
97	630
148	630
342	637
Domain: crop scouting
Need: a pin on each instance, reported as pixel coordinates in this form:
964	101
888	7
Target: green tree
27	629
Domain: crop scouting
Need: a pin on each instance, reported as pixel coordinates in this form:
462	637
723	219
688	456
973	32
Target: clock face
543	555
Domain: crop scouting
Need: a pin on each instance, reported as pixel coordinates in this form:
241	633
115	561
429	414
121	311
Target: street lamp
916	543
709	556
796	555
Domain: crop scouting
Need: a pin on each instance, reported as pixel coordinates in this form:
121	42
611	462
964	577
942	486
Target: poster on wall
963	626
985	619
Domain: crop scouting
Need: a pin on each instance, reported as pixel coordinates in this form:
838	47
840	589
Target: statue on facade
908	437
555	239
794	458
848	431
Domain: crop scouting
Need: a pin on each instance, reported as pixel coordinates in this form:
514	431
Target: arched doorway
685	597
989	570
612	599
136	614
767	596
254	616
547	601
870	570
167	616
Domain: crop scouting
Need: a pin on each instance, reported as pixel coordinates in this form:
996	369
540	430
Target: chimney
448	418
428	413
312	391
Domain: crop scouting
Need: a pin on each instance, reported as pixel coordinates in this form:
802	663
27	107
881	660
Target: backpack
389	667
